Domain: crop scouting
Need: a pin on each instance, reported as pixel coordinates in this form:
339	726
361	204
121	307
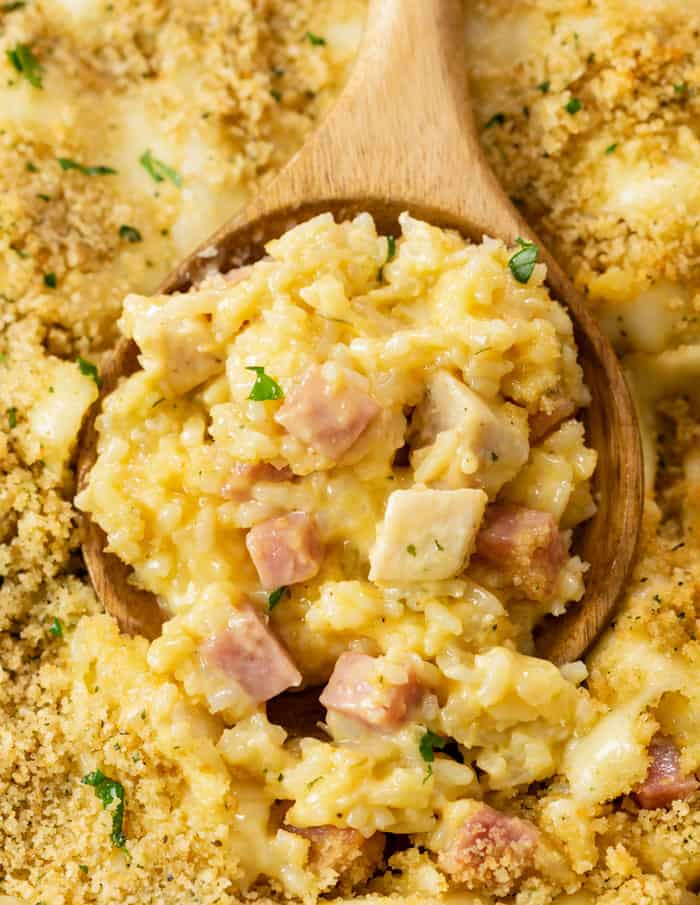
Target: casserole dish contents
355	467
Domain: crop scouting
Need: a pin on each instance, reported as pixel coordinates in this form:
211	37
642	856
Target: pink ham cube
664	782
490	850
248	653
358	689
285	550
525	545
327	416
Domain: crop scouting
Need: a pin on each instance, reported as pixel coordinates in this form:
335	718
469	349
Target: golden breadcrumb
589	113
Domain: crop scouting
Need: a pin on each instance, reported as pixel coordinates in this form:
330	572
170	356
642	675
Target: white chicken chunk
463	441
426	535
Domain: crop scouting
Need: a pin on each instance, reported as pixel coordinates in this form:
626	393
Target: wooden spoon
401	137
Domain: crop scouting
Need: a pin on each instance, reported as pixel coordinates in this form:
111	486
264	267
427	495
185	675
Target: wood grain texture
402	137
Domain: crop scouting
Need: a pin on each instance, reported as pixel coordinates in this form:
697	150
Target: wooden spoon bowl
401	137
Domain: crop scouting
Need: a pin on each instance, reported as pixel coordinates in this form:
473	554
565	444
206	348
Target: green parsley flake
277	95
429	743
411	550
438	545
681	88
129	233
496	120
11	7
31	167
159	171
83	868
573	106
275	597
12	417
89	370
109	790
265	388
56	628
316	40
24	61
523	262
544	86
50	280
67	164
390	252
611	148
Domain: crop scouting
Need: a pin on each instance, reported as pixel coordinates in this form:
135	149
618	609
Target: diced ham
426	534
249	653
285	550
244	476
664	782
525	545
359	689
490	850
542	423
327	415
343	850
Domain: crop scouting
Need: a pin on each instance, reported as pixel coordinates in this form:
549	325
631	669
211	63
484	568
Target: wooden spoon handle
402	127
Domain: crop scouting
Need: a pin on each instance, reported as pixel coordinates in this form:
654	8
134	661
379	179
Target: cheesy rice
121	778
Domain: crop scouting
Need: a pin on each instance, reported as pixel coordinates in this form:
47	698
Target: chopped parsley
316	40
544	86
265	388
277	95
275	597
24	61
611	148
109	790
523	261
50	280
159	171
429	743
411	550
11	7
681	88
31	167
67	164
573	106
390	252
129	233
12	417
438	545
56	628
83	868
496	120
89	370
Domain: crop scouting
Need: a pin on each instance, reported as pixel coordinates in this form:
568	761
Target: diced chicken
328	413
523	544
362	688
342	850
285	550
491	850
664	782
463	441
559	408
248	653
244	476
426	535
